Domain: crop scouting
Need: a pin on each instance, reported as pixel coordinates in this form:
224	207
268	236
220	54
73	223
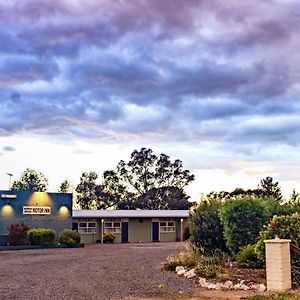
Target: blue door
155	231
75	226
124	232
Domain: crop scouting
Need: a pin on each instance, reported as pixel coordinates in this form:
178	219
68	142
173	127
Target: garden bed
37	247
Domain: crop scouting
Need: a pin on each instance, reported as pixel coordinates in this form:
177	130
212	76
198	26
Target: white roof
130	213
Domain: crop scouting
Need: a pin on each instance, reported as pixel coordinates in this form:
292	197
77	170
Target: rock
179	268
228	285
237	286
244	287
211	286
202	282
181	272
218	286
190	274
260	288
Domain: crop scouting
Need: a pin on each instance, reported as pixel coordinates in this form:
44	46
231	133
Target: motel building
131	226
54	210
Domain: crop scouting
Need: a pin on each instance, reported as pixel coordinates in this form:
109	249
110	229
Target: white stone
202	282
179	268
245	287
228	285
181	272
190	274
260	288
218	286
211	286
237	286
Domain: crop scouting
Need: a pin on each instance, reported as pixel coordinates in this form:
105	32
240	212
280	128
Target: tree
146	181
270	189
295	197
31	180
206	228
65	187
91	195
242	219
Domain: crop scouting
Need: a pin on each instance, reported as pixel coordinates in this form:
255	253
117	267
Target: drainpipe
181	230
102	230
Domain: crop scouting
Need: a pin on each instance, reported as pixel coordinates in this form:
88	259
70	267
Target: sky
214	83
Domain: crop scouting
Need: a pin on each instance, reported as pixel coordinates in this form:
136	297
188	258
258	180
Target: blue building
35	209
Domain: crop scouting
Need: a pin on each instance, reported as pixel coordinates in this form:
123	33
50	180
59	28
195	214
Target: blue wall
11	210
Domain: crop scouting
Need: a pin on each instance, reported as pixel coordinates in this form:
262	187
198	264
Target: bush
206	228
284	227
211	266
242	219
186	259
248	258
41	236
18	234
69	237
108	237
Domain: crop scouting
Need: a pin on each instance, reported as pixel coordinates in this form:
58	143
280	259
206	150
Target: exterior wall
167	236
11	210
140	232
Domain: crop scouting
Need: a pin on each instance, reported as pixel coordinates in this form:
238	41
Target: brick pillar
278	265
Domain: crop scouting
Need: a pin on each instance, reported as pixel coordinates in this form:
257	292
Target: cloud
108	71
9	149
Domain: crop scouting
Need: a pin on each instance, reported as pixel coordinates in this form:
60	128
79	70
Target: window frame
169	225
90	226
115	225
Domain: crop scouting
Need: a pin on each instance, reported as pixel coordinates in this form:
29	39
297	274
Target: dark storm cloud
97	70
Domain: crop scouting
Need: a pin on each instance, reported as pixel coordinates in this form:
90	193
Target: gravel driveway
95	272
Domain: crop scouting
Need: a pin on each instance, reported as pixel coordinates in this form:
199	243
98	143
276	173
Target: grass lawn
279	296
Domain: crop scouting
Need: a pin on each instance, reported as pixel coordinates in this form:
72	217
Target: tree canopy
31	180
146	181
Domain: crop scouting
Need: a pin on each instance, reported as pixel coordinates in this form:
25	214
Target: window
112	225
87	226
167	225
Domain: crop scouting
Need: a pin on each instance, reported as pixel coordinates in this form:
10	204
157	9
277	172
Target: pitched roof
130	213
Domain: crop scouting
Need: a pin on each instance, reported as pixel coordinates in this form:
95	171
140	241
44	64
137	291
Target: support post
278	265
102	230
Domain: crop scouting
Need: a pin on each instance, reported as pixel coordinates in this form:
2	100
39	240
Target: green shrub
284	227
41	236
206	228
186	259
108	237
171	264
210	266
242	219
248	258
69	237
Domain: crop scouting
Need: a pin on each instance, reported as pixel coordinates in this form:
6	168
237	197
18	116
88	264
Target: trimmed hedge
69	237
41	236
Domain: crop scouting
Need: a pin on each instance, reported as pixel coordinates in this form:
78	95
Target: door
75	226
124	232
155	231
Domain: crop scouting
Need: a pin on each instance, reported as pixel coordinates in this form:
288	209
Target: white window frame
112	225
167	225
90	226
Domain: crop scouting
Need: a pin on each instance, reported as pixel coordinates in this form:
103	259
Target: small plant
248	258
69	237
41	236
18	234
171	264
108	237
